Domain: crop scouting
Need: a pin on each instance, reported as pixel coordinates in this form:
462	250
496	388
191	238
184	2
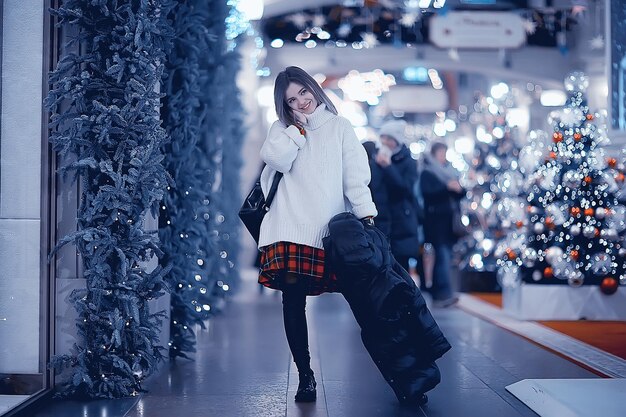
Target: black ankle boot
306	388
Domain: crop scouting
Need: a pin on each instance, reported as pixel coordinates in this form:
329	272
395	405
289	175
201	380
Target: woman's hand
453	185
368	221
300	117
383	159
383	156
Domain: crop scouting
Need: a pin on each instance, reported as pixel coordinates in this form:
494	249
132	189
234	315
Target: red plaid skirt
281	257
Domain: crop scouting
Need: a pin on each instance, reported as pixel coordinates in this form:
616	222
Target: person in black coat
442	194
401	174
379	188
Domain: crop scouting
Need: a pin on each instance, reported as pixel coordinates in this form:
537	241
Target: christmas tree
575	222
494	205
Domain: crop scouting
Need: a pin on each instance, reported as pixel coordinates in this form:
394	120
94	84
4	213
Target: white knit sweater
325	173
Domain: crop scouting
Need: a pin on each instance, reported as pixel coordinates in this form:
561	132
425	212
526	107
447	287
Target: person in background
379	188
441	190
400	171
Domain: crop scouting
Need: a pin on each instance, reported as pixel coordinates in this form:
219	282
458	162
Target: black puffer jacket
439	204
397	328
380	189
400	178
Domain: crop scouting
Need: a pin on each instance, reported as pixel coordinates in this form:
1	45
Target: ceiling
278	7
522	64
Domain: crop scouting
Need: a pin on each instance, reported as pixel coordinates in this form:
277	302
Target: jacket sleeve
281	147
356	174
399	183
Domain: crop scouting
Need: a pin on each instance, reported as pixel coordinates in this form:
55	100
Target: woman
400	173
325	173
441	190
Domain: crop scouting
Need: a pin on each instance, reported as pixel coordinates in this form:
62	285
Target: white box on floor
572	397
562	302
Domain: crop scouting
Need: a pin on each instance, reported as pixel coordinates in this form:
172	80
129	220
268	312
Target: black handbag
255	206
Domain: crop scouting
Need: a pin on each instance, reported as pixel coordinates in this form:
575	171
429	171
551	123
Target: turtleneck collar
320	116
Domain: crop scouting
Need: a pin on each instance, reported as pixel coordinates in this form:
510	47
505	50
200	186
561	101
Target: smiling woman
323	166
294	92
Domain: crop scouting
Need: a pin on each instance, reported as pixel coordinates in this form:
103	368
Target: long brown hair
298	76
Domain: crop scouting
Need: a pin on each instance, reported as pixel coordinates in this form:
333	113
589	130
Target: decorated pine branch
232	135
223	138
201	113
185	220
105	116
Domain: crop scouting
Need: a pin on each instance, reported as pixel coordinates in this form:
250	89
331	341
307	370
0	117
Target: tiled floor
242	368
243	364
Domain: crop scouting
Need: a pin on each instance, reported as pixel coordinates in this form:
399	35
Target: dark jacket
401	176
439	205
379	188
397	328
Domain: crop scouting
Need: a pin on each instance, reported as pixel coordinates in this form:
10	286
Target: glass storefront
24	293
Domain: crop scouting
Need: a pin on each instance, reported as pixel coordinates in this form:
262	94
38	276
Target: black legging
294	304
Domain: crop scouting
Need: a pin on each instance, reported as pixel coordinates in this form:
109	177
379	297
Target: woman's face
440	156
299	98
389	142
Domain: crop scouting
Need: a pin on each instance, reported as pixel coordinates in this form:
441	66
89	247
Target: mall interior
476	267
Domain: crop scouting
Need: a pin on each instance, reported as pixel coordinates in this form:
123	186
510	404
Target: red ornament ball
510	253
547	272
609	286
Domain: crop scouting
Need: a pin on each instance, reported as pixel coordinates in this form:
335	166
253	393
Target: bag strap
272	193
